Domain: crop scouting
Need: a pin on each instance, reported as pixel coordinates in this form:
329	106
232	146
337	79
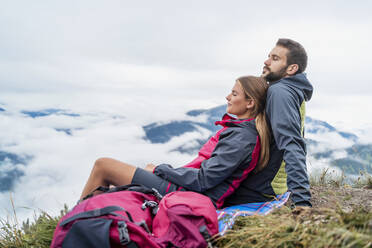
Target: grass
35	234
312	227
283	228
330	178
364	181
305	228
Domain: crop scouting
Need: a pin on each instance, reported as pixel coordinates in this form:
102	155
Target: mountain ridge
320	147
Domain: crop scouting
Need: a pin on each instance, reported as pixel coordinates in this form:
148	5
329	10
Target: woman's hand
150	167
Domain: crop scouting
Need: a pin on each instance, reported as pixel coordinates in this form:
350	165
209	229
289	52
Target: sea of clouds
63	147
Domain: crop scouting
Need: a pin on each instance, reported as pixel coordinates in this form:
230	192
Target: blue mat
226	216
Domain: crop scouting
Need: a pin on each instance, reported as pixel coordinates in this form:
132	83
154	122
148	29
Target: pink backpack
185	219
120	218
124	217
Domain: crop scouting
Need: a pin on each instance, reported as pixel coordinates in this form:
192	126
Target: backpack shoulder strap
94	213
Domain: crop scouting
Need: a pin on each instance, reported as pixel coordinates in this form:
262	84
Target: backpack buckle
152	204
123	233
157	194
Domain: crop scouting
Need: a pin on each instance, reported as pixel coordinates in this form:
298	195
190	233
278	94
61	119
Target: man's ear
292	69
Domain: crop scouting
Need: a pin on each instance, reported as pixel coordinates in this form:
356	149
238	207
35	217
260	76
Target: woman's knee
101	164
112	171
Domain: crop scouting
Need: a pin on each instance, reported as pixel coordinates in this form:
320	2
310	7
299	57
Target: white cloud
364	133
61	163
329	141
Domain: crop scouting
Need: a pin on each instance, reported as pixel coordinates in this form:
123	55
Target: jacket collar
230	119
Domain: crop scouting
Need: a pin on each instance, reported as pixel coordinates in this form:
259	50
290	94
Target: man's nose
267	62
227	97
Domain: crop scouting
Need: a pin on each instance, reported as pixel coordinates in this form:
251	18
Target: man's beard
275	76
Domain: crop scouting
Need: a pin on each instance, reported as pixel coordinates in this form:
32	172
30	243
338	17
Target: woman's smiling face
237	102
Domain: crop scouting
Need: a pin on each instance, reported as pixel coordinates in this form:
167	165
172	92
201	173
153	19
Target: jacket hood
299	82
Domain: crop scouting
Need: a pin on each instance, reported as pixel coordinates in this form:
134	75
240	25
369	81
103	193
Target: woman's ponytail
264	134
256	88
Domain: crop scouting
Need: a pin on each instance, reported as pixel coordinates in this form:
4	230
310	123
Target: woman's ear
250	104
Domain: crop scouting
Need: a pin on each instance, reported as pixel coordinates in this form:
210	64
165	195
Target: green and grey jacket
285	111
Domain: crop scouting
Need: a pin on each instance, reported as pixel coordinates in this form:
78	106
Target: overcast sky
129	54
154	60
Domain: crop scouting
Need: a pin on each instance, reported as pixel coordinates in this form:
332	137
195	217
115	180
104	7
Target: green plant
38	233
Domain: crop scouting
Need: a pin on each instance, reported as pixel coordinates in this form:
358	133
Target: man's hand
150	167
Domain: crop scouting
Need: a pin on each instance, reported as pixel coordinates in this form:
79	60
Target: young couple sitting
257	154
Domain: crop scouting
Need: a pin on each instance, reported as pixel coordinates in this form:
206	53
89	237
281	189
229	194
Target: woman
242	145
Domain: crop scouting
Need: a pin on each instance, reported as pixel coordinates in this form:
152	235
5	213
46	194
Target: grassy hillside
341	217
316	227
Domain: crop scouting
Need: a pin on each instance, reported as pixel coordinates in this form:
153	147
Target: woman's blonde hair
255	88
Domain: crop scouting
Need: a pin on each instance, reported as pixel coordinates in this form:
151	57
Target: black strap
207	237
133	187
95	213
132	245
102	188
122	226
99	188
171	245
130	187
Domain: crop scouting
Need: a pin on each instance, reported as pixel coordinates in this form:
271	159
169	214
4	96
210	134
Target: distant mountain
47	112
52	111
162	133
10	163
324	142
359	159
9	172
319	127
67	131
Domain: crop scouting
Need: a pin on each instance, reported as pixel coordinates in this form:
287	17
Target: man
285	112
285	109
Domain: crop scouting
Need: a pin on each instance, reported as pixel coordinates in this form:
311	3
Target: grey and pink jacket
286	169
223	162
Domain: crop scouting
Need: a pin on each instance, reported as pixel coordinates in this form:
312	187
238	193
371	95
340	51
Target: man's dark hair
296	53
